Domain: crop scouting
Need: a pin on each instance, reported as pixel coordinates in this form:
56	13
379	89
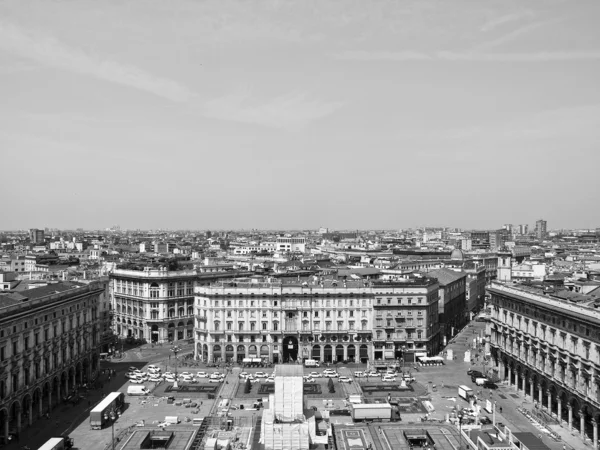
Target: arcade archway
290	349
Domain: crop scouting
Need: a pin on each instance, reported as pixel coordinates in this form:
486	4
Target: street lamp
112	414
175	349
460	421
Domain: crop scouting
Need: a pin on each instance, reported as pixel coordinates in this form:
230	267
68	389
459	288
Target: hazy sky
299	114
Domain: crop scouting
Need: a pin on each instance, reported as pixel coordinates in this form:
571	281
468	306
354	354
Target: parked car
202	375
136	380
155	379
307	379
344	379
270	380
216	376
485	420
261	375
215	380
184	374
170	379
388	378
373	373
242	375
187	378
359	374
314	375
489	385
131	375
475	373
169	374
134	369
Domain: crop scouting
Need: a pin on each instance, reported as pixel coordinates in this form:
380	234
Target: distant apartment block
541	229
36	236
291	244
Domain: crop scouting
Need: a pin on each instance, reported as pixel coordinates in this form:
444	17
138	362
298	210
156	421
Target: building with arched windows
154	304
547	345
328	321
50	339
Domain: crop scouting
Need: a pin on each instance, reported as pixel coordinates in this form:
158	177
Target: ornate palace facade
548	346
50	340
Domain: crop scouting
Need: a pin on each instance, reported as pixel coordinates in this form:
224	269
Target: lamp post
460	421
175	349
112	414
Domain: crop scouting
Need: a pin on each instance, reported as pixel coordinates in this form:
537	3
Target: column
510	377
210	353
58	397
322	353
67	384
40	403
523	389
49	399
595	436
549	402
345	352
30	413
582	424
530	389
18	411
559	412
570	408
540	396
6	428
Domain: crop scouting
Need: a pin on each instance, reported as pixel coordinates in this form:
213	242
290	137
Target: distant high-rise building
540	229
36	236
526	229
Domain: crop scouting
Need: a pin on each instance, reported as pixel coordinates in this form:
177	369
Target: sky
295	114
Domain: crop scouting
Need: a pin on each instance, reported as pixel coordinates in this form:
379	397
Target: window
229	325
240	326
252	326
264	325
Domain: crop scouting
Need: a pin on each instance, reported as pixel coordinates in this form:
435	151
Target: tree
331	386
248	386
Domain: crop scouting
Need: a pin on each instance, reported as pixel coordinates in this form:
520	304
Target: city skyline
294	115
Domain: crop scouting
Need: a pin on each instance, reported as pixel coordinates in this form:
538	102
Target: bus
112	402
57	443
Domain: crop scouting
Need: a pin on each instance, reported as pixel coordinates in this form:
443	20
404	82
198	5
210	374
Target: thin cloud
470	56
495	23
290	111
50	51
517	33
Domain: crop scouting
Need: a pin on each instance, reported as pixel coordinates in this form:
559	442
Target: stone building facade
329	321
549	348
154	304
49	345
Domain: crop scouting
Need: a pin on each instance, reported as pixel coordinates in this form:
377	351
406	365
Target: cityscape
299	225
354	327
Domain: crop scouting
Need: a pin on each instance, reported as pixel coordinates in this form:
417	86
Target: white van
311	363
174	420
138	390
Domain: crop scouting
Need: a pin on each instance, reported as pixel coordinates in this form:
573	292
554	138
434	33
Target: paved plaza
438	384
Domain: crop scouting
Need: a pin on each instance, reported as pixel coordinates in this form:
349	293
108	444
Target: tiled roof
446	276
